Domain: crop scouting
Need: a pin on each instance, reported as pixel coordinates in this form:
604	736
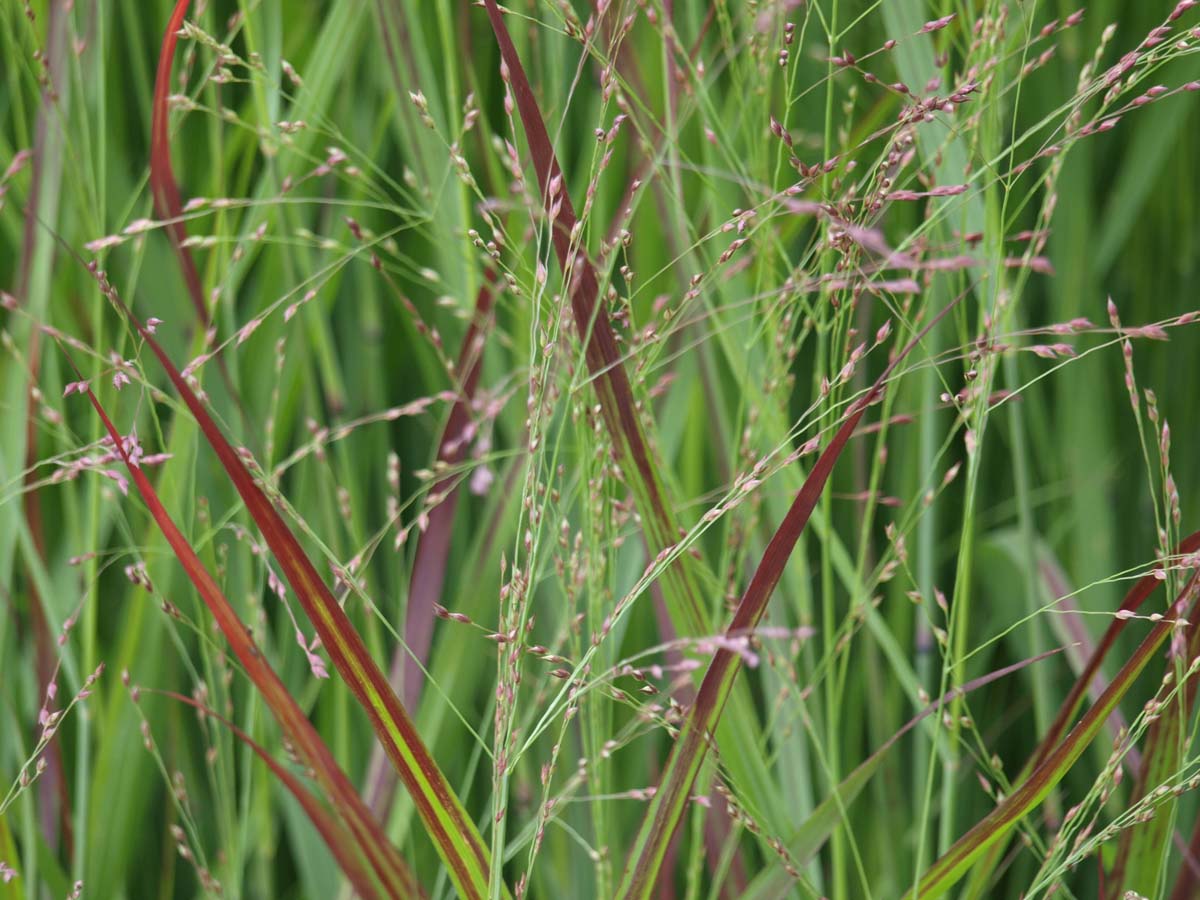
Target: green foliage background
1065	494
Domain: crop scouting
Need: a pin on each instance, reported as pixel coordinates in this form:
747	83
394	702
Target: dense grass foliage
591	449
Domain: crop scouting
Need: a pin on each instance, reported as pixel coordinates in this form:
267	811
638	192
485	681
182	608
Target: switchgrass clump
626	449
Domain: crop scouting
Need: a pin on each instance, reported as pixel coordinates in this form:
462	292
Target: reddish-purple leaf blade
388	865
453	833
1029	793
618	405
981	877
339	841
167	203
165	190
689	749
619	411
433	547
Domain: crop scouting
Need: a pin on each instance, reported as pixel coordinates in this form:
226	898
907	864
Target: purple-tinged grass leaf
380	852
981	876
689	749
336	837
163	186
1144	848
452	831
1053	767
165	190
433	547
618	408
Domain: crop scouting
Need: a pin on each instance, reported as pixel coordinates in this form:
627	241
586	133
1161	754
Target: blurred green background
1065	494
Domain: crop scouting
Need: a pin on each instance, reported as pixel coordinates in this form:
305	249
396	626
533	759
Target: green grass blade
817	828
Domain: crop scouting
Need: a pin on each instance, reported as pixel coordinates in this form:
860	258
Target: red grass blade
689	749
1142	852
603	356
384	859
165	191
991	830
618	408
977	886
433	547
167	204
453	833
429	562
336	837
